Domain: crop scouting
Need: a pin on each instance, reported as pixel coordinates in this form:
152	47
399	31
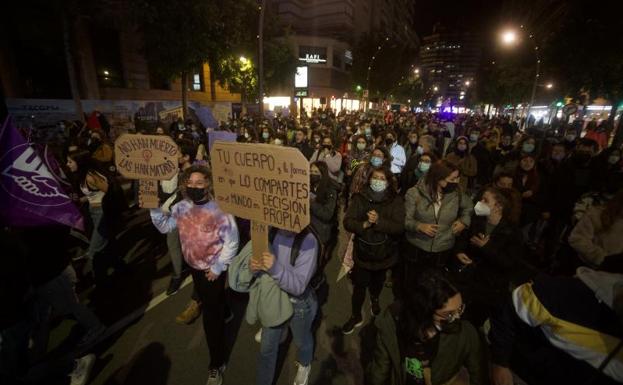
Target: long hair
429	291
612	211
504	197
207	173
322	191
533	181
438	172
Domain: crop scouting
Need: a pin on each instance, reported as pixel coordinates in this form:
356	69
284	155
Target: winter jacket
323	215
592	243
375	248
304	148
456	350
419	209
496	266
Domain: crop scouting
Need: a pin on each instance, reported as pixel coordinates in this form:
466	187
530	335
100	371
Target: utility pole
260	37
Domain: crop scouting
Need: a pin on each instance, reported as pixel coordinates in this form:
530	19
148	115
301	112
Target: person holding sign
291	262
209	239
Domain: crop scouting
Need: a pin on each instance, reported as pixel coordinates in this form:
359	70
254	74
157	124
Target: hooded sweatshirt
209	236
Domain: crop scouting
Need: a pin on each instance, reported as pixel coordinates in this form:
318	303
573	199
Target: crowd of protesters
502	247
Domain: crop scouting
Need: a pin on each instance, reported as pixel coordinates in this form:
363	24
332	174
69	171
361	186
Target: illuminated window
197	83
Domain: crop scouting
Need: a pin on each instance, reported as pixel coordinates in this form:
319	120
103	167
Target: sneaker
375	308
82	370
351	324
215	376
92	336
302	374
190	314
174	285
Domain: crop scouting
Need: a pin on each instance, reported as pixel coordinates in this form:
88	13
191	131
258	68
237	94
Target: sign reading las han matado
146	156
265	183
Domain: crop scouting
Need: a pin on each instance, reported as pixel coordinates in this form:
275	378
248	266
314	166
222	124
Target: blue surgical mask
423	166
265	135
376	161
378	185
527	147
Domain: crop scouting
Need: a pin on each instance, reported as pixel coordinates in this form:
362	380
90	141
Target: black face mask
450	187
314	179
453	327
389	141
196	194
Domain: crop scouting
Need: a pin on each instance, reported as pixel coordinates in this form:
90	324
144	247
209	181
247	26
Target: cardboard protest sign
148	158
264	183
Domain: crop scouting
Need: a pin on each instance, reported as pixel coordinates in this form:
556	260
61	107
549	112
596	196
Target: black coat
496	266
375	248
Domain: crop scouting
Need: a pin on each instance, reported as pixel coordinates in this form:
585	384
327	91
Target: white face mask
482	209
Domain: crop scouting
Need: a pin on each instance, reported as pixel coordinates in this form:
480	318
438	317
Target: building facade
448	63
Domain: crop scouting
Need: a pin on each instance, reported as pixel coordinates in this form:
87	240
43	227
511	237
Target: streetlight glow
416	71
435	88
243	59
467	83
509	37
549	85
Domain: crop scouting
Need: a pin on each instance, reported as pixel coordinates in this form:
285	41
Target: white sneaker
82	370
215	376
302	374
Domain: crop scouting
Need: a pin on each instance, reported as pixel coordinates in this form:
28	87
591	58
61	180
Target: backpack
296	248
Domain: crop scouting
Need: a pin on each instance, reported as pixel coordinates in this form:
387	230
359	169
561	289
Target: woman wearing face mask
416	169
376	218
327	154
323	197
411	145
466	163
422	340
379	157
209	239
266	136
437	211
489	255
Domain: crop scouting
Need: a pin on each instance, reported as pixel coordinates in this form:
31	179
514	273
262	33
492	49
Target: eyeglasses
455	315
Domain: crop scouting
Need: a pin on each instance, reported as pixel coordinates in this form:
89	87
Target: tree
180	36
586	56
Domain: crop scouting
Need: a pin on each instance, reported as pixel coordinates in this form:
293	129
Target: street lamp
435	88
416	71
509	37
467	83
549	86
243	60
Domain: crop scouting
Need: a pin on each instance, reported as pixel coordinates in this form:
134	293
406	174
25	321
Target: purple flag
30	195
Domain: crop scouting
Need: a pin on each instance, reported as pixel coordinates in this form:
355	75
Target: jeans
175	251
300	324
99	239
212	297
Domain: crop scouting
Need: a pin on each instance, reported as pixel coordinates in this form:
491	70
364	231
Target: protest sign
264	183
147	158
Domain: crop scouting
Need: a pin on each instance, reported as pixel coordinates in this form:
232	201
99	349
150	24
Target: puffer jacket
375	248
419	209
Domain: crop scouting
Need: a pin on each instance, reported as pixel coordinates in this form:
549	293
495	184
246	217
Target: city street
146	345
